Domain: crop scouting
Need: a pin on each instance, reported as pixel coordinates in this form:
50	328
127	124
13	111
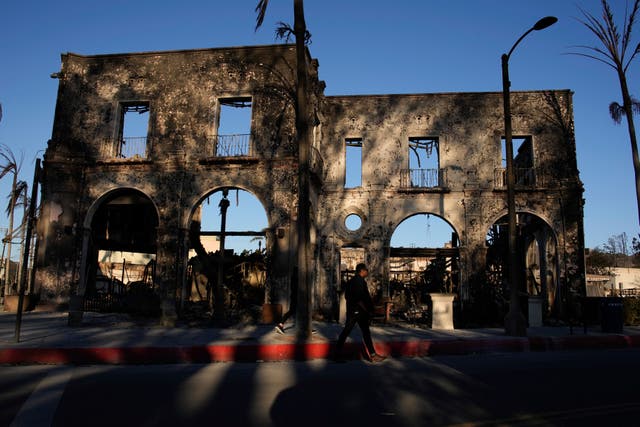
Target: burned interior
148	147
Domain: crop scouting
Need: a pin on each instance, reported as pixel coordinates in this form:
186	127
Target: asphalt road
551	388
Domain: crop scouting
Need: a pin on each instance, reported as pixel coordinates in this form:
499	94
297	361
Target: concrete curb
303	351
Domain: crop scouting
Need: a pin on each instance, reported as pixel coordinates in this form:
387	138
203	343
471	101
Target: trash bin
611	312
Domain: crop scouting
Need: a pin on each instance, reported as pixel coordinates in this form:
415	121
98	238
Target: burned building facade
103	190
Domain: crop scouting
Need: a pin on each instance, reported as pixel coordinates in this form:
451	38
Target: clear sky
364	47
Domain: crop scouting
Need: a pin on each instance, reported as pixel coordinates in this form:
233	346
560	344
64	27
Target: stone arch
238	280
538	265
418	270
119	249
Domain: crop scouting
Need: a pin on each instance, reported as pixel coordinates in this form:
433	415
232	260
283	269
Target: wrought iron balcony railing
237	145
422	178
524	178
132	146
129	147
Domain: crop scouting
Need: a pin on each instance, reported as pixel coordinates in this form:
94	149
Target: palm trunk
7	271
626	98
303	312
23	228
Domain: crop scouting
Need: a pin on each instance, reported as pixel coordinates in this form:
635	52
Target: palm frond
261	9
616	111
628	28
606	61
20	193
8	162
607	33
284	32
613	35
17	196
633	55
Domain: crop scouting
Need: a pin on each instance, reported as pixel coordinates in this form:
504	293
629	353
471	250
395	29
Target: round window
353	222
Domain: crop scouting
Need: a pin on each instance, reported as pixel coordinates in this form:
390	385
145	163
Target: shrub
631	310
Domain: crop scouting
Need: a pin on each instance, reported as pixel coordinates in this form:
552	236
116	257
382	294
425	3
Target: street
550	388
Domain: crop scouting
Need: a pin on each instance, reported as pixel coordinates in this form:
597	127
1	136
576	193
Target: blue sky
364	47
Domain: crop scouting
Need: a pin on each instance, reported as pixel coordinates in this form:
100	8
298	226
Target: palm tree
616	52
303	313
22	199
9	165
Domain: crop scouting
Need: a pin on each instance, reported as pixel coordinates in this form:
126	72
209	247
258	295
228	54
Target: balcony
129	148
524	178
422	178
237	145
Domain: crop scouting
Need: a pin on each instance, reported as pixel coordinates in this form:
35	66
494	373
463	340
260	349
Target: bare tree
617	52
618	247
303	312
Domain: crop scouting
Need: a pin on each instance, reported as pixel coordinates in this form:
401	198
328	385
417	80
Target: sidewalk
46	338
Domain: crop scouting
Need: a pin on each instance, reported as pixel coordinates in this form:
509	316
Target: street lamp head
545	22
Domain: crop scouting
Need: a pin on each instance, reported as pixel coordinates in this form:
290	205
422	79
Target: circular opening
353	222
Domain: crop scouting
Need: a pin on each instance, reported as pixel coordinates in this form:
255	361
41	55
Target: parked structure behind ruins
439	154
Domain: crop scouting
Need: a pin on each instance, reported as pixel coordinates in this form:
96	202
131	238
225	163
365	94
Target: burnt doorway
423	258
228	258
122	255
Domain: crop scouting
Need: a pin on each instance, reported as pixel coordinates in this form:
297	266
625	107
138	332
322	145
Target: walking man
359	310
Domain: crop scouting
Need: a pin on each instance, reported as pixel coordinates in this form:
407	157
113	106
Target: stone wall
183	92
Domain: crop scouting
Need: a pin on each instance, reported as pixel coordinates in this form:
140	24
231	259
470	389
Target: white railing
133	146
422	178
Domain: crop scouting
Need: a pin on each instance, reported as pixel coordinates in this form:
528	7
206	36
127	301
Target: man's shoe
377	358
279	329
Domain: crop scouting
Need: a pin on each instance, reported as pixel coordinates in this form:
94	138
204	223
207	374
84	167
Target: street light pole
515	323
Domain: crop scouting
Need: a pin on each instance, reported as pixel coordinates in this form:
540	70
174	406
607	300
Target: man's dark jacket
357	295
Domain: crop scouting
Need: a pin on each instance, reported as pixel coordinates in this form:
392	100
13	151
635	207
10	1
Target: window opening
234	128
133	132
353	222
424	162
522	161
353	165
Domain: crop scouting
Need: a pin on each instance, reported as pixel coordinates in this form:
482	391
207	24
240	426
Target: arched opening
537	270
121	255
423	259
228	257
350	256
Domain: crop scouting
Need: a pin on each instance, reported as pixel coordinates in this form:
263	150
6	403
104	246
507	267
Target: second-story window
523	164
234	128
424	162
134	127
353	163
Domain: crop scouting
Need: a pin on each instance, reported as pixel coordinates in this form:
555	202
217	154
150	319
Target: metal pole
219	294
515	324
25	259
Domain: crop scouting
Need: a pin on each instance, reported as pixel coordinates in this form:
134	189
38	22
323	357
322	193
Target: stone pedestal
535	311
342	308
442	311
